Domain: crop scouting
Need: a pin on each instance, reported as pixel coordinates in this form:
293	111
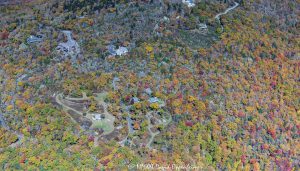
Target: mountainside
149	84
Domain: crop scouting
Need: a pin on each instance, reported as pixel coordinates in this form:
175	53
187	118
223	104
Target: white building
189	3
97	117
120	51
34	39
153	100
135	100
156	100
202	26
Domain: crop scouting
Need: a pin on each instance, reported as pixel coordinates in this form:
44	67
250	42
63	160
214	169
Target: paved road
153	134
227	10
217	17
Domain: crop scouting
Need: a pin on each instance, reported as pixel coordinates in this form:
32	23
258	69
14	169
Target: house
166	19
141	74
189	3
98	117
120	51
22	46
156	100
135	99
202	26
148	91
34	39
153	100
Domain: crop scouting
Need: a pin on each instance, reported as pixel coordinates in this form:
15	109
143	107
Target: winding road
227	10
129	125
109	117
153	134
217	17
58	100
84	97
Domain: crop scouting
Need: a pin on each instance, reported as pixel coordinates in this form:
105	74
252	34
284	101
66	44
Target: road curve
227	10
217	17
